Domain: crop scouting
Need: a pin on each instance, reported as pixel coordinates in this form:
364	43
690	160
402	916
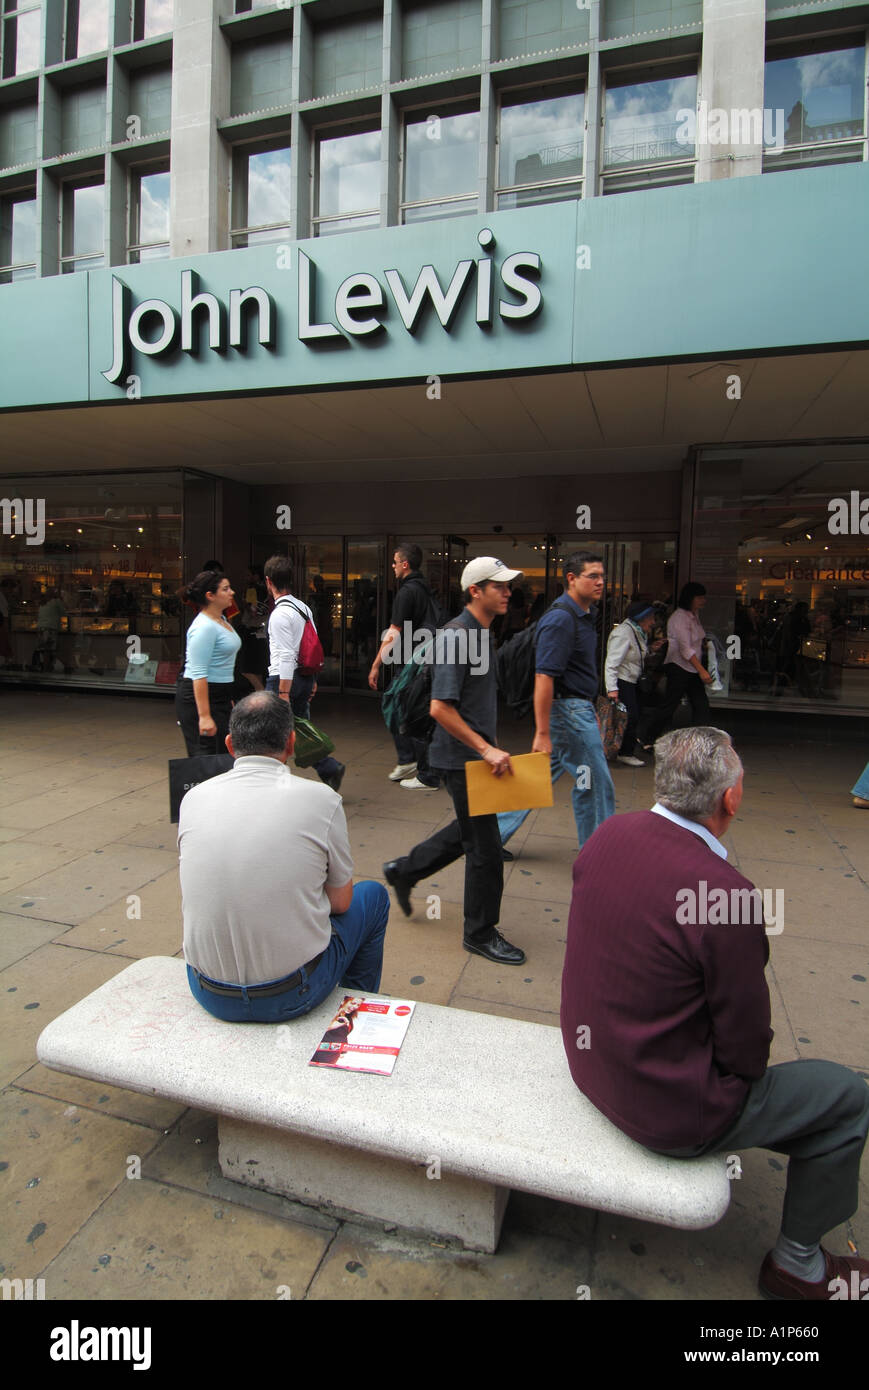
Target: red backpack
311	656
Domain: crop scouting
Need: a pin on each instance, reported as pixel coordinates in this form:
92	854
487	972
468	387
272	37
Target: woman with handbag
626	652
684	668
203	698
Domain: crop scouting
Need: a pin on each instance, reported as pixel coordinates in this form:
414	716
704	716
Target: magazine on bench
365	1035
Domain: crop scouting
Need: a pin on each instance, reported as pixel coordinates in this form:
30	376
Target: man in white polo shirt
272	920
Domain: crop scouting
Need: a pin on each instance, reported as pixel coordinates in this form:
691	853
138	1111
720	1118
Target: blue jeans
300	704
861	786
576	744
353	959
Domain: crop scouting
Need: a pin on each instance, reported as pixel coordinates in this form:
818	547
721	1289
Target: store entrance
347	582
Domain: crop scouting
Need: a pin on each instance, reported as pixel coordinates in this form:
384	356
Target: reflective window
642	121
152	17
814	99
540	147
83	227
149	215
348	182
22	37
441	164
17	237
87	27
261	194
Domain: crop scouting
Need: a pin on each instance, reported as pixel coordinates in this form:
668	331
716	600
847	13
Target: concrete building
500	275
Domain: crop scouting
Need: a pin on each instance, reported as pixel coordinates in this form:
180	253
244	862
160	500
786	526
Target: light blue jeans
860	788
578	751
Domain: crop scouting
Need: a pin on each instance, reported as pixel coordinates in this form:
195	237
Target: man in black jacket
412	609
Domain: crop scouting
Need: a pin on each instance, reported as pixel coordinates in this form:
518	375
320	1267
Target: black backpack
516	664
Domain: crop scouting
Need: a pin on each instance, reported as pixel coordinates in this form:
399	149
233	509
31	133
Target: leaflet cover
365	1035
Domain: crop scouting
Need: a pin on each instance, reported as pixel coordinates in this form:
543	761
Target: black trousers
679	683
478	839
629	698
818	1113
220	704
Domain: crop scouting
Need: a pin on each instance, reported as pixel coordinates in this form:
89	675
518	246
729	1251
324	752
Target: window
17	236
441	164
645	131
814	105
22	37
540	147
149	214
348	182
87	27
152	17
260	194
83	226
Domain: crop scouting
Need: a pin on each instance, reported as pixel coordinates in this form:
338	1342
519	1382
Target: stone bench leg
353	1182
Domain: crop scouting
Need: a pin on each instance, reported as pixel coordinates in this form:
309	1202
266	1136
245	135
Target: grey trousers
818	1113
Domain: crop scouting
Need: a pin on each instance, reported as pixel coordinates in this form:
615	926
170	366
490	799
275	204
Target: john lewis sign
362	306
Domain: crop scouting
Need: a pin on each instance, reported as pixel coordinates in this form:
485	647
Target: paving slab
150	925
153	1111
87	884
832	1022
824	903
150	1241
61	1162
22	860
19	936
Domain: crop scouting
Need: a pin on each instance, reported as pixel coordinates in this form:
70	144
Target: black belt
589	699
261	991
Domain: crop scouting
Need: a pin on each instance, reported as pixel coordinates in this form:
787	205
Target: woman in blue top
203	700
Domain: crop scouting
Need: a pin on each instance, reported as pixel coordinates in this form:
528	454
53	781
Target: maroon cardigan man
665	1011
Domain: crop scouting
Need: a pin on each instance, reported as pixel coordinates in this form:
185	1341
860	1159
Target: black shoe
401	886
496	949
335	779
507	856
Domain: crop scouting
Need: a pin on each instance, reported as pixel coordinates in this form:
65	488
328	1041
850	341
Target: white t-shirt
257	848
286	629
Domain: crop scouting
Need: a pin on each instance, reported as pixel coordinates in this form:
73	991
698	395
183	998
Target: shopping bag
312	745
185	773
612	717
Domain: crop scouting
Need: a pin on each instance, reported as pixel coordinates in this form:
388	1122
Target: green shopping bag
311	744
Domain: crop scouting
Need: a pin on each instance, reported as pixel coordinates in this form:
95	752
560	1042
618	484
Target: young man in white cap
464	706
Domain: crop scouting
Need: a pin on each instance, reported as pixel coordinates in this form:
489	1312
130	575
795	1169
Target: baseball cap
487	567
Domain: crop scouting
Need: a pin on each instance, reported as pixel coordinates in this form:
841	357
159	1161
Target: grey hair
260	724
693	770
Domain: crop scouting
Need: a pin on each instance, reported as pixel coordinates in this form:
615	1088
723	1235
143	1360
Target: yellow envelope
529	786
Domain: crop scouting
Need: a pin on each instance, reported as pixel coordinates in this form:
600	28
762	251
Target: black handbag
185	773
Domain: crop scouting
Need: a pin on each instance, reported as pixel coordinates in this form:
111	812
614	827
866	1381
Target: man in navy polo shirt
565	688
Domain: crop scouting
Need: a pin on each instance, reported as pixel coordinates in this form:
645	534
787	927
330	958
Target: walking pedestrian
626	653
412	611
684	669
203	697
565	688
464	706
286	629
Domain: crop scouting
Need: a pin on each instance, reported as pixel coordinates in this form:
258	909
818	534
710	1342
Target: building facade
503	276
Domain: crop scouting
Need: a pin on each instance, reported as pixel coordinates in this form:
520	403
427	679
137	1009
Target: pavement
108	1194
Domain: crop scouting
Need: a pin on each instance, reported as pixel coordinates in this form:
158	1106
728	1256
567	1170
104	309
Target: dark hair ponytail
206	582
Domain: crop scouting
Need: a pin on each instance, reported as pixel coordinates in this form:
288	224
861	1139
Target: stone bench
486	1102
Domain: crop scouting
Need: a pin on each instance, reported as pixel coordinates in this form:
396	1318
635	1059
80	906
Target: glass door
362	616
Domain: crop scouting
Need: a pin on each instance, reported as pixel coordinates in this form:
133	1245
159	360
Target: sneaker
402	770
630	762
413	784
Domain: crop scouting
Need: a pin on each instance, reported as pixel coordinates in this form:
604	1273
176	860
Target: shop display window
782	546
92	590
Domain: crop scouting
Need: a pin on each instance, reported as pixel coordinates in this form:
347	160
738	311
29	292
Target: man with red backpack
295	654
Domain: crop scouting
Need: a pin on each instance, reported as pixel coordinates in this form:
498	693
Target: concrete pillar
199	201
731	84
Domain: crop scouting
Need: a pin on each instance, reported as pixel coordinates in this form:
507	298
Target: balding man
665	1012
272	920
